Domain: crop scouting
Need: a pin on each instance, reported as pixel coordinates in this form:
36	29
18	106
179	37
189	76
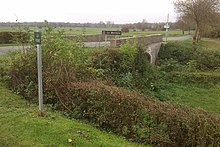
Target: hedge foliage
12	37
182	54
140	118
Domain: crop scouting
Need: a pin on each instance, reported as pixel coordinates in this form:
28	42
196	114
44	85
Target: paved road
210	40
6	49
97	44
181	38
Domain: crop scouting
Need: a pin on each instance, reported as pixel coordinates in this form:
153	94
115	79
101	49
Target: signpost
167	27
37	41
106	33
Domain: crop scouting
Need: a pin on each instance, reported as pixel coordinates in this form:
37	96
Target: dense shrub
127	66
178	51
138	117
63	60
212	33
125	29
185	54
207	60
12	37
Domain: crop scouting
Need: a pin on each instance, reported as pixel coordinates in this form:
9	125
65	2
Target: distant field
68	30
91	31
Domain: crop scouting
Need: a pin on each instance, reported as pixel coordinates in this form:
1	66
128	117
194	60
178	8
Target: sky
117	11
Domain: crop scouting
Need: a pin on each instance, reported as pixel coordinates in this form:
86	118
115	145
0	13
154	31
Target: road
214	41
97	44
6	49
181	38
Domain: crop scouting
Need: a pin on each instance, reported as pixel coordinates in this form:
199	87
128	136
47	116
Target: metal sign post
167	27
37	41
106	38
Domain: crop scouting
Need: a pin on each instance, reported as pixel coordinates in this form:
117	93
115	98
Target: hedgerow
184	55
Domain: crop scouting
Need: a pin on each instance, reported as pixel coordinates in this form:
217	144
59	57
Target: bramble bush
127	66
138	117
89	85
63	60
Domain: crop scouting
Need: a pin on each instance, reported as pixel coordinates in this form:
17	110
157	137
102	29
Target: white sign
166	26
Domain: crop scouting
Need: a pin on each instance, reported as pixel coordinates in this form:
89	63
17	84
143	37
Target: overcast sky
118	11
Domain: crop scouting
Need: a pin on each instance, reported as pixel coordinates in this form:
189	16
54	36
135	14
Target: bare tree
201	12
184	24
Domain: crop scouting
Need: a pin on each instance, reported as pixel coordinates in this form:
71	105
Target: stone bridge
150	43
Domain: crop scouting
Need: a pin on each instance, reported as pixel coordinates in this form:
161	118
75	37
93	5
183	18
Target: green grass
21	126
210	45
207	98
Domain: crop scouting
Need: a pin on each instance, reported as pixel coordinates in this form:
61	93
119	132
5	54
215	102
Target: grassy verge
210	45
193	96
21	126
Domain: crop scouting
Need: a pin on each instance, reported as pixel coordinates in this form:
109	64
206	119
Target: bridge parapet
140	40
150	43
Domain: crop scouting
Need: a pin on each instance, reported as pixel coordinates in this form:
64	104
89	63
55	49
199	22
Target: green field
92	31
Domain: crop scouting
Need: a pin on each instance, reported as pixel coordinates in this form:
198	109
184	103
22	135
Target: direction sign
166	26
37	37
111	32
